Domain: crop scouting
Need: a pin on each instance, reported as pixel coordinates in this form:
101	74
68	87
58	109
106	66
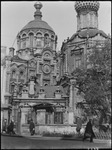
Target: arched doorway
45	113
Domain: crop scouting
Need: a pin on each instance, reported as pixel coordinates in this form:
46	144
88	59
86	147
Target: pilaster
41	116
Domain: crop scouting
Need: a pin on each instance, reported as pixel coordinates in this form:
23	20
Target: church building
36	81
74	50
29	86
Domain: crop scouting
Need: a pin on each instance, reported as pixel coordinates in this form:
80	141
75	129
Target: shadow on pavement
11	135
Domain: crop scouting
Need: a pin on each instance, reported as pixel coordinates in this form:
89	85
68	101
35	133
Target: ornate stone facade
74	50
36	81
30	77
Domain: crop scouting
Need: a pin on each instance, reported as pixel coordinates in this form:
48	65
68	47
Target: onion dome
84	5
37	23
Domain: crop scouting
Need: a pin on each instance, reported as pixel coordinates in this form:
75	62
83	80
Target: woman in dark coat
4	126
32	127
89	131
10	128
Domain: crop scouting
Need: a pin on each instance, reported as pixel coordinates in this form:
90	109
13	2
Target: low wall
42	129
62	130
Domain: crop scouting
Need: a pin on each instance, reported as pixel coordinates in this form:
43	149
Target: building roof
17	58
37	24
91	32
50	90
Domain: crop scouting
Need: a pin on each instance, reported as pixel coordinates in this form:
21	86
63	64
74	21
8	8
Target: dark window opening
58	118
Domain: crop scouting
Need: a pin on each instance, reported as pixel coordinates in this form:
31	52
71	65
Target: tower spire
38	14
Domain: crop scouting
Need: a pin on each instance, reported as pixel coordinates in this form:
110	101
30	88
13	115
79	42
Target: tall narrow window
39	40
31	36
13	74
21	75
24	44
12	88
46	38
20	89
77	61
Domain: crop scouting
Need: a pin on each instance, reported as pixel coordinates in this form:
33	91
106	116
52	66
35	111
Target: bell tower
87	14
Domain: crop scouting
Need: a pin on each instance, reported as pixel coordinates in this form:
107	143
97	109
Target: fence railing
103	135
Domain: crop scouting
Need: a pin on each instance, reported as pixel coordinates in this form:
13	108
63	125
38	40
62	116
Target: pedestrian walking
89	131
10	128
4	126
79	125
32	127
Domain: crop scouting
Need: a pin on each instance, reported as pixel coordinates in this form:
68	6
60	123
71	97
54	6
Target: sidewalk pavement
64	138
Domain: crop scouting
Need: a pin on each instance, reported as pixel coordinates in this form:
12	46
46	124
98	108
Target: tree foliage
95	80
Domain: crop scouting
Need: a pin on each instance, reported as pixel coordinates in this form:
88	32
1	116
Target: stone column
23	112
71	103
71	98
65	117
41	116
4	84
22	117
52	118
7	81
1	80
70	116
37	66
66	70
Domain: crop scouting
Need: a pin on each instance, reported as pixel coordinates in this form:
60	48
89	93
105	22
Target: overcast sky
60	15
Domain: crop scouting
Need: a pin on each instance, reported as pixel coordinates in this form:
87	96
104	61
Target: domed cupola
37	23
84	5
87	21
34	36
87	16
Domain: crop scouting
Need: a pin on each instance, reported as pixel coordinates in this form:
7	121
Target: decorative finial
38	14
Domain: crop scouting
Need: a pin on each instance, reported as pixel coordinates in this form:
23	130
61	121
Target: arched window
39	35
52	36
31	36
39	40
19	42
12	87
20	88
24	35
46	38
24	44
46	35
13	73
21	74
